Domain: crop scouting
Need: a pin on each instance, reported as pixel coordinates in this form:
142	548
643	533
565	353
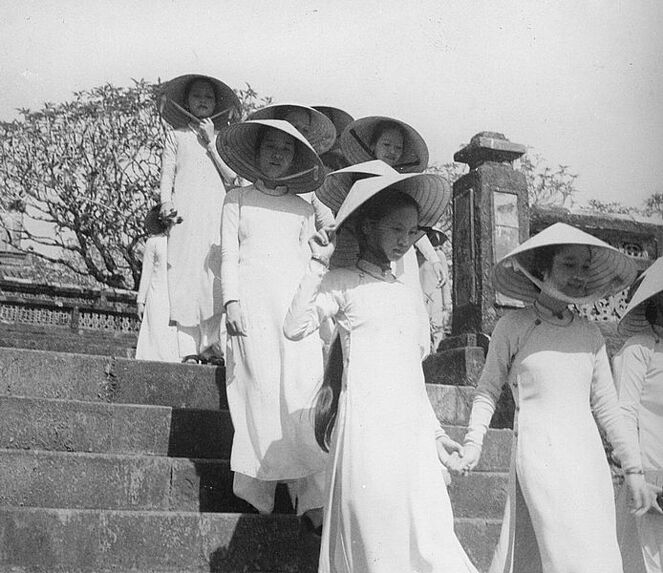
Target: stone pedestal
490	218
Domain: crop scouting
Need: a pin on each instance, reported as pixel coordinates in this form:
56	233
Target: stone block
455	367
479	494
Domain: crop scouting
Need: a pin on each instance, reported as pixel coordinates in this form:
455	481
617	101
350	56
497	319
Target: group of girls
304	250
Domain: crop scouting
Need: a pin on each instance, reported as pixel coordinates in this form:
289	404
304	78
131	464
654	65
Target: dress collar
277	191
375	271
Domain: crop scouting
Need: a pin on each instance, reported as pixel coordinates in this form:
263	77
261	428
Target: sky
580	83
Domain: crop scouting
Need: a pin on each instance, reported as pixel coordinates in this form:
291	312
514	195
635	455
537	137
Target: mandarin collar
375	271
277	191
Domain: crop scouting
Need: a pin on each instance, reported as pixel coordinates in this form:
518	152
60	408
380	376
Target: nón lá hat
610	270
358	137
173	108
648	285
321	131
238	145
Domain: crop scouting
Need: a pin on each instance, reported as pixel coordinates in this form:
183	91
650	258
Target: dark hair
189	86
651	312
326	406
378	207
381	127
153	223
542	260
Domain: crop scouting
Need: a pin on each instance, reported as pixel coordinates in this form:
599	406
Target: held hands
438	269
235	322
464	461
140	309
322	243
642	494
446	448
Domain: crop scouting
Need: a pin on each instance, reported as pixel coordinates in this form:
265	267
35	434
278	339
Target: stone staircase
119	465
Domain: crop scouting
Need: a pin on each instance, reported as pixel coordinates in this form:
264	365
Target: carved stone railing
69	318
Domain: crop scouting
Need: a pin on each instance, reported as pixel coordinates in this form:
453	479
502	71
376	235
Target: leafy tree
83	174
548	186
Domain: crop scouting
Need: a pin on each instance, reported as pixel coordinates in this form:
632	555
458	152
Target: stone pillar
490	218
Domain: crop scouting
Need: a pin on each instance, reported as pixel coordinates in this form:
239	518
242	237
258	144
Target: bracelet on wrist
637	472
324	261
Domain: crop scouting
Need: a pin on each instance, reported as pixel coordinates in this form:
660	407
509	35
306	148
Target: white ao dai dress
639	376
387	508
560	511
157	340
271	382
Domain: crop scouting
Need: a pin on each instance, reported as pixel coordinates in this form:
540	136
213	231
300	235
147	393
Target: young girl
639	376
193	185
387	506
157	340
271	382
560	513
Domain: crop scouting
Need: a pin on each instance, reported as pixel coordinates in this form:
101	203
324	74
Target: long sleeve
323	214
426	249
606	410
493	377
147	270
168	167
230	247
315	300
630	368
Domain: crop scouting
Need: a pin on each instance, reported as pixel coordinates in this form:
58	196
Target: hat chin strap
315	170
553	292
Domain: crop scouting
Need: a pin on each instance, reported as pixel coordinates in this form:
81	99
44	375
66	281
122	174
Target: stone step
85	541
103	481
67	425
60	375
76	426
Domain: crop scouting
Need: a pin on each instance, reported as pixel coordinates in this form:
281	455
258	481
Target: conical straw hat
356	140
237	145
341	119
649	284
336	185
610	270
431	192
172	107
322	133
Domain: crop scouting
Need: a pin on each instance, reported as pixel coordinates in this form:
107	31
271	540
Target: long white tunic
387	508
190	179
560	512
271	382
157	340
639	377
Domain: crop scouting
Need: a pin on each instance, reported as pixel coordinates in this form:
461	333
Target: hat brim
337	184
355	143
610	272
341	119
649	284
172	107
237	145
322	133
431	193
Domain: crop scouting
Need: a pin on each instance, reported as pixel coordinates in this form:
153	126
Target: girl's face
392	236
389	146
275	154
570	270
201	100
300	120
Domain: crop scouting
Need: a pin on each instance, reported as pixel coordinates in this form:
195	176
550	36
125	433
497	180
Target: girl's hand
205	130
235	322
455	463
140	309
642	496
165	209
655	492
469	458
323	242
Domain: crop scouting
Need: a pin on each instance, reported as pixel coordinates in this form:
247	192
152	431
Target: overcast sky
579	82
